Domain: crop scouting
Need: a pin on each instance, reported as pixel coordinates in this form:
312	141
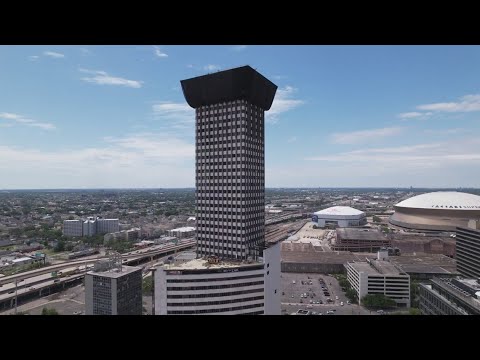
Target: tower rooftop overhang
242	83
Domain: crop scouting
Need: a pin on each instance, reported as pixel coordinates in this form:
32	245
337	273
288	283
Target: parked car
341	303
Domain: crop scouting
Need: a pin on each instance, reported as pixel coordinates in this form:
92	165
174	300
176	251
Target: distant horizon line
277	187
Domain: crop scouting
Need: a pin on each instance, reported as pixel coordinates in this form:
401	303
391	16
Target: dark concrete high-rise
113	292
230	160
468	249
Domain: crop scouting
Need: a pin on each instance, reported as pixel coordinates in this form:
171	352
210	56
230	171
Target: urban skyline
114	116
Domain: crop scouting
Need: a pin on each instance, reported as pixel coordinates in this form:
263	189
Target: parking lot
323	293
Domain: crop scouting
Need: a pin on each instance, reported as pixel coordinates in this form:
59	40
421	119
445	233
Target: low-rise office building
127	235
359	240
379	276
444	296
183	232
113	291
222	287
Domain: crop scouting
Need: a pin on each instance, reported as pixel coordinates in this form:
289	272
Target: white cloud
211	67
159	52
10	116
282	102
33	57
428	155
102	78
53	54
292	139
363	136
44	126
452	163
467	103
444	131
22	120
190	66
136	160
177	114
239	47
279	77
414	114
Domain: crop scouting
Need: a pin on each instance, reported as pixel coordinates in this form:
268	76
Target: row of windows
217	249
239	254
214	279
212	287
220	250
233	196
217	302
233	169
228	130
212	311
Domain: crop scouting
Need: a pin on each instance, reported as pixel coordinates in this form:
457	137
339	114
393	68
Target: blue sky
343	116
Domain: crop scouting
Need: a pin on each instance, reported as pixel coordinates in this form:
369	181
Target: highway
127	258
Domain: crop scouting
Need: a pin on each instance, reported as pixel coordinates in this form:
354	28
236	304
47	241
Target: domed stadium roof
340	210
447	200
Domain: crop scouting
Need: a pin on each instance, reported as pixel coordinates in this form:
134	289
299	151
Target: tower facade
230	160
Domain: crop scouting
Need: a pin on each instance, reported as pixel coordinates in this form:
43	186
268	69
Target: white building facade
197	287
107	226
73	227
183	232
379	277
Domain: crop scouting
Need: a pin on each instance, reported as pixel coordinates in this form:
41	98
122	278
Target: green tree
414	311
351	295
414	293
59	247
376	219
147	285
47	311
378	301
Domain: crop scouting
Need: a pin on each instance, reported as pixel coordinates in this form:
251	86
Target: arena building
339	216
436	211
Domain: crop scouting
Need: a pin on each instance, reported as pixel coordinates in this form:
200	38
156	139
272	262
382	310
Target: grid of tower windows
230	179
129	294
102	295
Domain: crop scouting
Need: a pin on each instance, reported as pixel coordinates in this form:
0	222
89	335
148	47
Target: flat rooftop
202	263
184	229
425	263
234	84
115	273
323	257
377	267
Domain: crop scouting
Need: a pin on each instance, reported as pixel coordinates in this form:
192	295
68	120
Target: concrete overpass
132	258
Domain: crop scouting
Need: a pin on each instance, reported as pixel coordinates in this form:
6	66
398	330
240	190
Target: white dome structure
339	216
440	210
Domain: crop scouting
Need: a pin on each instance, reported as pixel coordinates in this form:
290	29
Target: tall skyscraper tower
230	160
234	271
